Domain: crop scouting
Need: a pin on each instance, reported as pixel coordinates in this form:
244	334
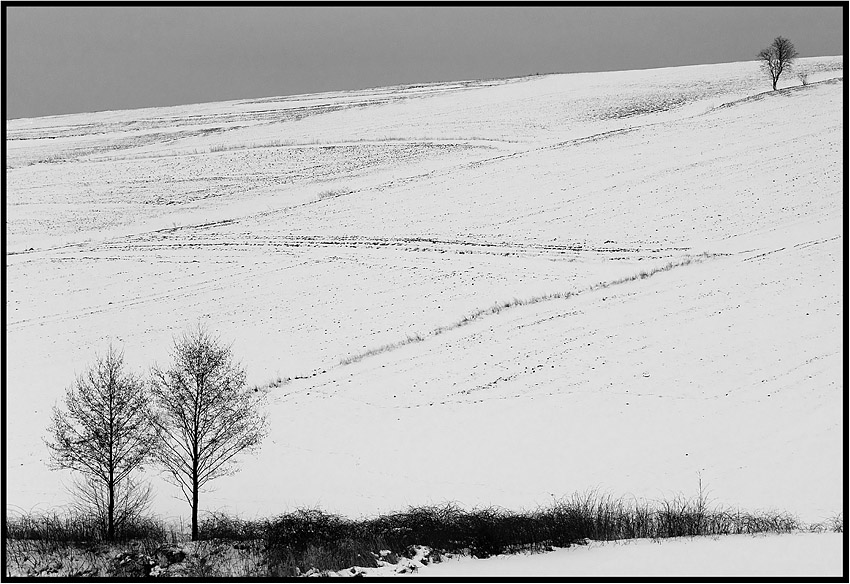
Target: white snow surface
310	229
798	554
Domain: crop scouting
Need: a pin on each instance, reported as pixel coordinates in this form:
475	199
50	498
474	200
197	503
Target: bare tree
776	58
131	500
803	76
105	431
204	414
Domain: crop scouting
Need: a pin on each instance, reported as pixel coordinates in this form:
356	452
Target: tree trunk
110	510
194	508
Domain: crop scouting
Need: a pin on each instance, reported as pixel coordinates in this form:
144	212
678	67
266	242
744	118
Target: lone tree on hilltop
204	414
776	58
105	433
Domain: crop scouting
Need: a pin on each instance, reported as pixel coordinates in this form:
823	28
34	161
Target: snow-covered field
795	554
312	229
800	554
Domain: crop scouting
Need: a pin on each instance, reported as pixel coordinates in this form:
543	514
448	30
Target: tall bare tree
204	414
104	432
776	58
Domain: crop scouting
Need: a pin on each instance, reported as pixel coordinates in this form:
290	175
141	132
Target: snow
311	229
799	554
786	555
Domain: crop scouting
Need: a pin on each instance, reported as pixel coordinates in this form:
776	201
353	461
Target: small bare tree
803	76
131	499
204	414
104	432
776	58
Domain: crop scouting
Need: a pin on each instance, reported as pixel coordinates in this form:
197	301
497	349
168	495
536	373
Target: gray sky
76	59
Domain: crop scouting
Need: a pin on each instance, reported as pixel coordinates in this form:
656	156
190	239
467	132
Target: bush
221	526
295	543
308	538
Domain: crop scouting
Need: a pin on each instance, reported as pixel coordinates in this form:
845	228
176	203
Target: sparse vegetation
131	501
276	143
500	306
312	541
280	143
414	338
834	524
71	526
332	193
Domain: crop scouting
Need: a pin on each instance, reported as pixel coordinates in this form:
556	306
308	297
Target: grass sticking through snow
500	306
297	542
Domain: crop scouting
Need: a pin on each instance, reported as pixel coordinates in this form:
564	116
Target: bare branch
104	431
131	500
204	414
776	58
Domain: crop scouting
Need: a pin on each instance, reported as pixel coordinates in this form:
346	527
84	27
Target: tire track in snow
477	163
244	241
520	153
184	291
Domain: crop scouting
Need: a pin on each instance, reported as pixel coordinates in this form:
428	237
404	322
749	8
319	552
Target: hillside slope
446	274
